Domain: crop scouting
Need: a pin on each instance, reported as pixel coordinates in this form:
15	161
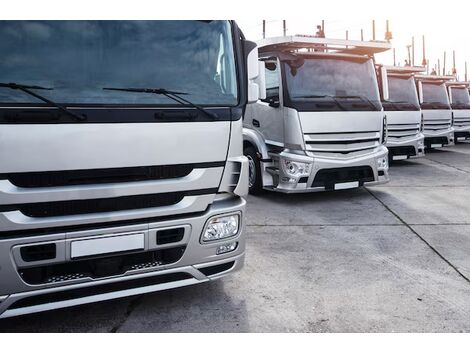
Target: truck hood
341	121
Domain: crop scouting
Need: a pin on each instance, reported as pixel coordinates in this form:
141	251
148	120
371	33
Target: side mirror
261	80
384	79
420	92
252	69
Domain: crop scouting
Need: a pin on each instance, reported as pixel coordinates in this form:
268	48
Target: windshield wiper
360	97
332	97
26	88
176	96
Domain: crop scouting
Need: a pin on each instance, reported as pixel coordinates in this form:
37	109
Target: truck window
79	58
402	90
320	78
460	96
272	80
435	93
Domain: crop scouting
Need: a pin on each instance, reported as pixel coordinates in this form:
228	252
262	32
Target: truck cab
405	138
121	162
437	113
460	103
319	124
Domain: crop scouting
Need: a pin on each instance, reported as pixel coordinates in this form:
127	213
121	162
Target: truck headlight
295	168
221	227
382	163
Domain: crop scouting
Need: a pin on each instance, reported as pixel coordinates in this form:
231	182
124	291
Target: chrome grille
399	131
350	143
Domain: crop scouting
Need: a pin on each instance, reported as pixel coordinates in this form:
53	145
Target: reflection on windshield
460	96
435	93
324	77
79	58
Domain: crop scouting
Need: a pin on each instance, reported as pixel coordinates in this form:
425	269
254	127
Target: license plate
107	245
400	157
436	145
347	185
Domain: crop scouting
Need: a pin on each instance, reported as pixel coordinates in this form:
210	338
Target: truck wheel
254	172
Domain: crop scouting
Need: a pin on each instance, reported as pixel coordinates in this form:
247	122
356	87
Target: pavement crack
419	236
449	165
130	308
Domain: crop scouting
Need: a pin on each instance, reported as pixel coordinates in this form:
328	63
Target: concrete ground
392	258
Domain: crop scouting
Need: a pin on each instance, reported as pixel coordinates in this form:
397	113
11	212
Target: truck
405	138
438	127
319	124
121	158
460	102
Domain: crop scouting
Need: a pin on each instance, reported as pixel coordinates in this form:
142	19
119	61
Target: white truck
320	124
121	161
405	138
437	113
460	103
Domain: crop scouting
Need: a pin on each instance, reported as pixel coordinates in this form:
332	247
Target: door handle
256	123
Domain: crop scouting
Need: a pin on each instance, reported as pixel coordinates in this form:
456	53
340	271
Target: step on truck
405	138
319	124
121	161
460	102
438	127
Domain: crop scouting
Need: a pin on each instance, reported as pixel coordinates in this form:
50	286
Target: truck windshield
79	58
460	96
435	94
350	84
402	93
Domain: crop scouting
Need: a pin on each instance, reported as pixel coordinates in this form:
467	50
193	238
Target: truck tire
254	173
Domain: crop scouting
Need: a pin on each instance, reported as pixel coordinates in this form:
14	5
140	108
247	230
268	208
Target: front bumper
461	132
436	138
305	184
413	147
199	263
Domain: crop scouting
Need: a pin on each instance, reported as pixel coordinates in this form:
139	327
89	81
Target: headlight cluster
295	168
221	227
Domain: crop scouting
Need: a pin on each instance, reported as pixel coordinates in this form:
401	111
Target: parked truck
405	138
320	124
121	164
437	113
460	103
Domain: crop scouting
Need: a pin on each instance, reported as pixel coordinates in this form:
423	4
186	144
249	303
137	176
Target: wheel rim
251	171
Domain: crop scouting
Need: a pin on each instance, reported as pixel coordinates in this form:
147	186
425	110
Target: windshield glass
79	58
402	90
460	96
316	78
435	93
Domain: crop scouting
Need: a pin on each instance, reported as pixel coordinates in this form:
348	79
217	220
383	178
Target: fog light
227	248
221	227
382	163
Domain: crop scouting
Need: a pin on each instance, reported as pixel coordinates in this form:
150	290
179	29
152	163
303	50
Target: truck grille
342	143
87	206
100	176
462	122
437	125
403	131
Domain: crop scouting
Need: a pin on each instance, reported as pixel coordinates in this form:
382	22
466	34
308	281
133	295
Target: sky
441	34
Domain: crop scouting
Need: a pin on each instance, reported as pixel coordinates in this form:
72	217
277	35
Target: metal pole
284	27
347	34
408	47
264	29
466	72
439	67
454	69
373	29
362	34
394	58
412	51
323	26
444	65
424	52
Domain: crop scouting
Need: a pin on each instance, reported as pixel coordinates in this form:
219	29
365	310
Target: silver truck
121	164
460	103
437	113
405	138
320	124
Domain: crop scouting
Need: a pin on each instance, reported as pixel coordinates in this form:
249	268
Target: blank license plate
347	185
106	245
436	145
400	157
